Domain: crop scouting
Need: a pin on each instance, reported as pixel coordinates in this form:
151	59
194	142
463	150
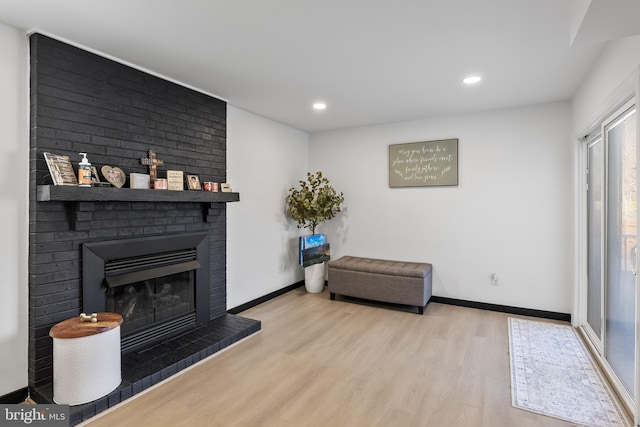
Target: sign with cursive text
424	164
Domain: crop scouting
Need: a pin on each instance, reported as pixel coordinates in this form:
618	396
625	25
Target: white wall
14	208
264	160
617	62
511	213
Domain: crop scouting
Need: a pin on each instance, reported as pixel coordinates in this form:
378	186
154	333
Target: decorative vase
314	278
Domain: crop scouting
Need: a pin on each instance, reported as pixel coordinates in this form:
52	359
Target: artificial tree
314	202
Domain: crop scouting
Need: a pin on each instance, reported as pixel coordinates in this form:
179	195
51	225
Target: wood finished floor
334	363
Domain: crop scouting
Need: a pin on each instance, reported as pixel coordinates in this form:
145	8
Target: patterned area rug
553	374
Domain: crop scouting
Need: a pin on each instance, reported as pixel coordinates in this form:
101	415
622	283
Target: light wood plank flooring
333	363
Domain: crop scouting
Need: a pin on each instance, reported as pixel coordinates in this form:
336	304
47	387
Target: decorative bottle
84	172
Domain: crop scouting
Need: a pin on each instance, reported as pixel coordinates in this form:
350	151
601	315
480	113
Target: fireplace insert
159	284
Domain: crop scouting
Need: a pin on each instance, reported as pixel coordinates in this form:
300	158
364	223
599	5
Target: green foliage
313	202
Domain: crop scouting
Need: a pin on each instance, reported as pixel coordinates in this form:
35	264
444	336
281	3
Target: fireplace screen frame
96	255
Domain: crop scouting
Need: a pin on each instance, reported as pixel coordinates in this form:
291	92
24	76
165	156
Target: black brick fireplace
82	102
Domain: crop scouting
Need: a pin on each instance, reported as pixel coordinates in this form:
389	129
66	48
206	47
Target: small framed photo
94	175
193	182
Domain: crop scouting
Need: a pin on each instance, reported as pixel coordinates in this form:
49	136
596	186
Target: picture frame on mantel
193	182
424	164
60	168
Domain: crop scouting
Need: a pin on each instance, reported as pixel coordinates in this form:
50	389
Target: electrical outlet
494	279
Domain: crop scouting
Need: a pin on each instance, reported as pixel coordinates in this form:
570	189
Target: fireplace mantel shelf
61	193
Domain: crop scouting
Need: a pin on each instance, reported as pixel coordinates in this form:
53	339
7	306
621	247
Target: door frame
598	342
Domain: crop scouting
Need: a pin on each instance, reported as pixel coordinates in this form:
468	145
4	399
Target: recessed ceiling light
319	106
472	80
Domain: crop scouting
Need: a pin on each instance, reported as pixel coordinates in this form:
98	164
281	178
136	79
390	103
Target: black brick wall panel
81	102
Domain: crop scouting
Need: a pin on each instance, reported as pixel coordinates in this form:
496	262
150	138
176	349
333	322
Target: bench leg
420	309
332	295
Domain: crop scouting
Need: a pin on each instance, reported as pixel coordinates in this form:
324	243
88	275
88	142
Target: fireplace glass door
153	301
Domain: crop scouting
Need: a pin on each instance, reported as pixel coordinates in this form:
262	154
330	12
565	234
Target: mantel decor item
95	177
160	184
84	171
175	180
153	162
60	168
314	202
424	164
193	182
114	175
140	181
210	186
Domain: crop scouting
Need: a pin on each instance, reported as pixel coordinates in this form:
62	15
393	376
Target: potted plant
312	203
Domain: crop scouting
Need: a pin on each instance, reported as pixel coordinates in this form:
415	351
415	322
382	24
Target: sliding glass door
621	249
612	244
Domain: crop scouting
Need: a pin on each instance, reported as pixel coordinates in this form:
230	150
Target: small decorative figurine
93	318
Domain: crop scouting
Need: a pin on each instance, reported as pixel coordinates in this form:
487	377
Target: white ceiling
371	61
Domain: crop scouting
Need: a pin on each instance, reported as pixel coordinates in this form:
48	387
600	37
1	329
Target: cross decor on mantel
153	163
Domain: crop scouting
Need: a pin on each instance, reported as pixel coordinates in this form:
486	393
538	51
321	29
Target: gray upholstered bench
396	282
